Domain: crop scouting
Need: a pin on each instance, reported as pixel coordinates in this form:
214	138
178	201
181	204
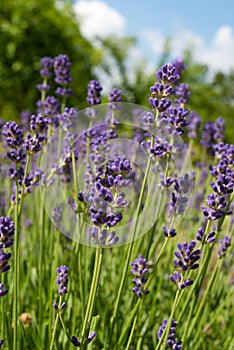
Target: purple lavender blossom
193	124
225	243
216	207
62	279
94	92
62	75
179	64
167	74
38	123
187	256
169	232
182	93
171	341
46	66
1	343
13	134
114	97
7	230
2	290
213	133
76	342
4	261
49	108
161	90
159	105
141	268
209	238
102	237
177	279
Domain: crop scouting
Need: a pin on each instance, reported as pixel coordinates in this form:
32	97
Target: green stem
201	305
55	324
130	247
131	334
92	297
41	261
16	270
140	300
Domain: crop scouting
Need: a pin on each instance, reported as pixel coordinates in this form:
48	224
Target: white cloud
97	18
218	54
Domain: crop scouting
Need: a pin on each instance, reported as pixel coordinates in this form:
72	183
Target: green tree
29	30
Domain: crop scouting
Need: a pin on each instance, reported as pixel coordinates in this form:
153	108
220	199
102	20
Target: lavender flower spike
140	269
3	291
62	279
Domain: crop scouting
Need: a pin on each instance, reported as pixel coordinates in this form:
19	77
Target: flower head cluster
49	108
182	93
171	341
141	268
114	97
179	197
205	239
176	116
102	237
7	229
193	124
2	290
225	243
62	75
94	92
177	279
45	72
77	343
13	134
62	279
187	256
213	133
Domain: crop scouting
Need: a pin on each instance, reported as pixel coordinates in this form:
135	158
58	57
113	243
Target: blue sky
206	26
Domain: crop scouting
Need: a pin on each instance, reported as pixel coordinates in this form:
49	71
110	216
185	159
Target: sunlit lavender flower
141	268
46	66
193	124
182	93
38	123
179	197
13	134
4	261
114	96
49	108
177	279
187	256
94	92
1	343
167	74
62	75
33	144
76	342
216	207
225	243
62	279
102	237
169	232
213	133
209	238
2	290
171	341
179	64
7	229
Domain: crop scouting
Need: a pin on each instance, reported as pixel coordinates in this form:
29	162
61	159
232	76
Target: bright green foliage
29	30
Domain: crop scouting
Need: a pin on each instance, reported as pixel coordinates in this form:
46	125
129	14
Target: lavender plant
111	192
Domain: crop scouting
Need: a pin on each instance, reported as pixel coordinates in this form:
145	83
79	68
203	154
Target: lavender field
116	222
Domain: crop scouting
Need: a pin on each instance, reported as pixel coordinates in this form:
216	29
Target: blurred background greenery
31	29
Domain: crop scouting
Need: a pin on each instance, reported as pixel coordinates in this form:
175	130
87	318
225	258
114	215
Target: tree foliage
33	29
